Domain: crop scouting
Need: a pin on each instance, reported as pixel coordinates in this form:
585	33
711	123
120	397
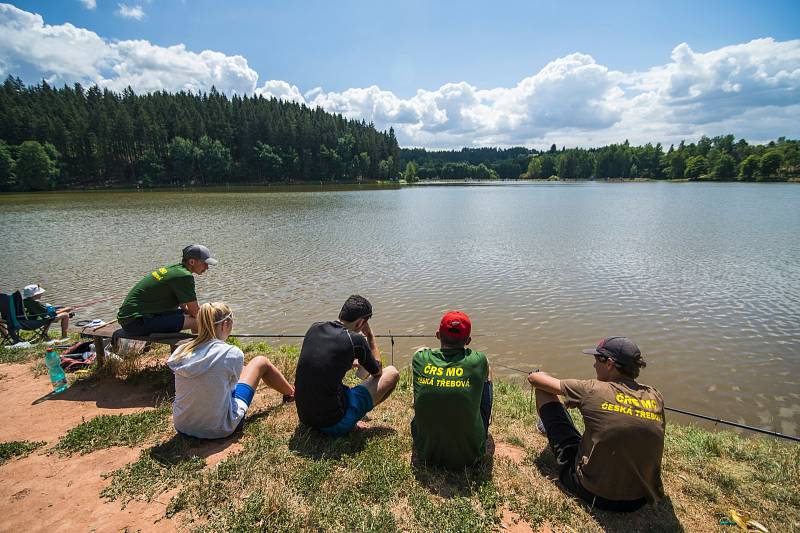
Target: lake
704	277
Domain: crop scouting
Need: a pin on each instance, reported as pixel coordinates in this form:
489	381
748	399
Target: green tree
183	156
6	168
696	166
215	160
34	169
386	168
724	168
149	168
770	163
534	168
410	173
748	169
363	165
268	161
548	166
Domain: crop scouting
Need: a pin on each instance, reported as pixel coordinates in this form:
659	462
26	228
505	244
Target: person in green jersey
164	301
616	463
36	310
452	398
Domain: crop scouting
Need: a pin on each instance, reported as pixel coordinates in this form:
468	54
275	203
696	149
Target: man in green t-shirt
616	464
164	301
452	398
36	310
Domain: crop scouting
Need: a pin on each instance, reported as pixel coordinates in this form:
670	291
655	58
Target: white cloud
147	67
130	12
89	4
280	90
65	54
750	89
65	51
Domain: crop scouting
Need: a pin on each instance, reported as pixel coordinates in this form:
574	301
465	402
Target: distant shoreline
300	186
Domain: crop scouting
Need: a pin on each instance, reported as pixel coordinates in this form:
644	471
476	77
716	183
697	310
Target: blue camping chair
13	314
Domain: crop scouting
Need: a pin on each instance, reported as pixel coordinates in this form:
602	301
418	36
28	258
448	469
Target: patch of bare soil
50	493
44	492
30	412
509	451
511	522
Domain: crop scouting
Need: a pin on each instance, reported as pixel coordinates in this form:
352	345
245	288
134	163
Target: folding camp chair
13	314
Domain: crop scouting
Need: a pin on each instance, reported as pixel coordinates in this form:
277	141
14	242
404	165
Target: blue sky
470	59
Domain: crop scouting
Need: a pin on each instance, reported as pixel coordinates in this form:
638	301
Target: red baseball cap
455	325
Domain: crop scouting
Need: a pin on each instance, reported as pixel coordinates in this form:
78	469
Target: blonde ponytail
208	317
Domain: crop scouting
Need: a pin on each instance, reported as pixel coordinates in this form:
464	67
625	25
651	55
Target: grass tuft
17	448
105	431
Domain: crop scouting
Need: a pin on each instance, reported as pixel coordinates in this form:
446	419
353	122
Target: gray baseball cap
200	252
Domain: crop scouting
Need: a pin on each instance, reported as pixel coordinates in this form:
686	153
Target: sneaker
540	427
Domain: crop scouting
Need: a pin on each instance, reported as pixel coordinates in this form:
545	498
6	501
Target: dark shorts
171	322
359	403
565	440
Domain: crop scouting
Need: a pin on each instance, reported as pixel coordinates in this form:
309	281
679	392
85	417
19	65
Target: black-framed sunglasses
602	358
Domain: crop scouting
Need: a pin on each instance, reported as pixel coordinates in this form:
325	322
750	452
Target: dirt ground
48	492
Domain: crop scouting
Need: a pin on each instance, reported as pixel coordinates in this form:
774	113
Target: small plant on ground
17	448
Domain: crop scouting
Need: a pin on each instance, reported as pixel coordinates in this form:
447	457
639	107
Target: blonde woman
212	389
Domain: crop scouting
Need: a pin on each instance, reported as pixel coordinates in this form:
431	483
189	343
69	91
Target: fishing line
704	417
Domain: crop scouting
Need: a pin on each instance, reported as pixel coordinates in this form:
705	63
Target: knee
392	375
262	363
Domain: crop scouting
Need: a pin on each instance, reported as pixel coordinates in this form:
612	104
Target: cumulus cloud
65	54
130	12
749	89
63	50
89	4
281	90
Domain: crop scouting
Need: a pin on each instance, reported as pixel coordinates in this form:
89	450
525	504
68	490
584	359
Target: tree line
711	158
76	137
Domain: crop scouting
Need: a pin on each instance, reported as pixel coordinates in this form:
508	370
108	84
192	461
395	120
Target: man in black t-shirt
329	350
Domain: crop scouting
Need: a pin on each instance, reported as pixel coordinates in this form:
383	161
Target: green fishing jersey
159	292
447	427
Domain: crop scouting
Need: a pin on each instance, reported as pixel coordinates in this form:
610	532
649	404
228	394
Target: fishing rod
93	302
698	415
298	335
734	424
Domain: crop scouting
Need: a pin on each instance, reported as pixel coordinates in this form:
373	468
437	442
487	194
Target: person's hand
366	330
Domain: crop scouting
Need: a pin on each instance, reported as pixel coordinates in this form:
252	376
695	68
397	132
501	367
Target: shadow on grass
451	483
146	388
308	442
180	448
654	517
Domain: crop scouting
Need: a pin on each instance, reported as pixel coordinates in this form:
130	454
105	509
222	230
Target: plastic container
57	376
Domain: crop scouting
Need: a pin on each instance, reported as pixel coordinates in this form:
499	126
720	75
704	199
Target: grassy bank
283	477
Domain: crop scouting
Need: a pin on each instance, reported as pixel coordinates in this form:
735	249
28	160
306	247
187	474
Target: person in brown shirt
616	464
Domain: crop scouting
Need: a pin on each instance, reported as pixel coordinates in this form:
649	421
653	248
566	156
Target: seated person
164	301
329	350
35	310
212	390
452	398
616	464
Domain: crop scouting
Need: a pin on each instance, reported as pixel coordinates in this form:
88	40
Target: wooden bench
109	331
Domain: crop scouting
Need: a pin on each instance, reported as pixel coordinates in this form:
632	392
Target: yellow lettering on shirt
156	275
624	409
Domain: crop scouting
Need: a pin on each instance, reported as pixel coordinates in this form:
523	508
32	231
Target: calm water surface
704	277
